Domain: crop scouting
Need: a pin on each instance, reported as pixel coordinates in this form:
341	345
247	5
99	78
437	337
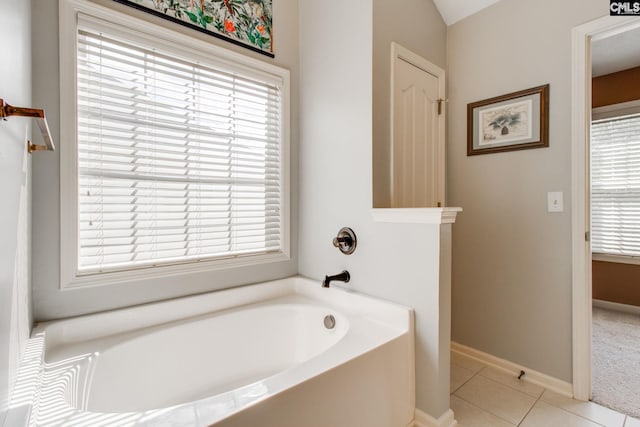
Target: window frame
611	112
168	40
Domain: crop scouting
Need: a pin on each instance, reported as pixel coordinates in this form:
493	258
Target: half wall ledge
416	215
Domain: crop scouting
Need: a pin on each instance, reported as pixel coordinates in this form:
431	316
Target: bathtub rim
374	309
94	326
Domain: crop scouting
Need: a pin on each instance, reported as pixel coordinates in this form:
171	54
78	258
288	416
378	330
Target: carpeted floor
616	360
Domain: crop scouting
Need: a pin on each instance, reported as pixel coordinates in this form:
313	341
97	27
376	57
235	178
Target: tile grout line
486	411
573	413
531	409
513	388
470	378
538	399
578	415
505	385
476	406
485	367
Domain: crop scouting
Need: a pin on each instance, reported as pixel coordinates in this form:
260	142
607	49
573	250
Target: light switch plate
555	202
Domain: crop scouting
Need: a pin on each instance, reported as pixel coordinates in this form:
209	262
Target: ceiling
616	53
453	11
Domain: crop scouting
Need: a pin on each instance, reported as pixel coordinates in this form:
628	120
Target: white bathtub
258	355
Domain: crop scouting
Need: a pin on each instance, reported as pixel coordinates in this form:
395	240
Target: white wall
512	259
49	301
15	89
398	262
417	26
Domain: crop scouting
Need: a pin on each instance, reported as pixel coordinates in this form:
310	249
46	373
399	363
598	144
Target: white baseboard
425	420
534	377
625	308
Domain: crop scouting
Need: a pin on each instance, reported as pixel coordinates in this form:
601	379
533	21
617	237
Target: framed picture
245	23
516	121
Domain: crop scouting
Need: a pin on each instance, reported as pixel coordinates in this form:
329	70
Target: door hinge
587	236
440	101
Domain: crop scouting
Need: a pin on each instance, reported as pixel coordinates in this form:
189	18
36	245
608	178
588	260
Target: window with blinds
178	160
615	186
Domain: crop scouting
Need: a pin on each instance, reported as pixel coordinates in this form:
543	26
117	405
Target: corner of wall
15	193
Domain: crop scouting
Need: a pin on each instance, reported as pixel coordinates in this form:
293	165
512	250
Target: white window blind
615	186
178	160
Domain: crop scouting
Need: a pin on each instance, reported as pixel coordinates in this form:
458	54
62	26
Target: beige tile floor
482	396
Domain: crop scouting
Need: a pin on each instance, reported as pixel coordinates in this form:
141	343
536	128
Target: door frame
399	52
582	36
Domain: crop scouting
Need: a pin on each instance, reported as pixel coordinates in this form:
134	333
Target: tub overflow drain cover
329	321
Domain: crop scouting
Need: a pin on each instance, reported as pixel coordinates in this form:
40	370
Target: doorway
615	199
417	131
583	36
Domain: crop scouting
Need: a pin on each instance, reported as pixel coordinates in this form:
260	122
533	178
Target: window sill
620	259
80	281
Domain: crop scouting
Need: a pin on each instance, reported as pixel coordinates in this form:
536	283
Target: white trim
402	53
534	377
580	203
616	306
425	420
416	215
581	91
171	40
616	110
618	259
68	156
167	270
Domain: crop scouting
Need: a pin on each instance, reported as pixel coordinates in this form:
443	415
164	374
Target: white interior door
417	132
